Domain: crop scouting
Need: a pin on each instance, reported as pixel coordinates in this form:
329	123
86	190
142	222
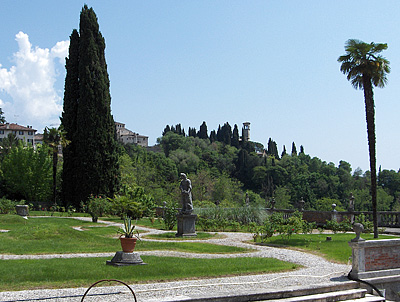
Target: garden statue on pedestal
186	220
186	195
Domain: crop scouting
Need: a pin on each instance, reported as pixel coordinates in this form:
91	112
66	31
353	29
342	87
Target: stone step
343	295
368	298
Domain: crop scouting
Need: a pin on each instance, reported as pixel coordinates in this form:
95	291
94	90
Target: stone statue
186	195
358	229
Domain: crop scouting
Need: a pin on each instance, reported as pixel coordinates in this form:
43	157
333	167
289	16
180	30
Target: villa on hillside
127	136
23	133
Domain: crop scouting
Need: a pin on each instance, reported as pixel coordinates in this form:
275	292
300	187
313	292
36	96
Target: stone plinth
378	262
124	259
22	210
186	225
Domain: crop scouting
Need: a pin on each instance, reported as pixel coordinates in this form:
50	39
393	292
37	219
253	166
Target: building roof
16	127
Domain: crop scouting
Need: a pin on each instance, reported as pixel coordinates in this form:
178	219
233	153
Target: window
21	132
30	132
1	131
14	132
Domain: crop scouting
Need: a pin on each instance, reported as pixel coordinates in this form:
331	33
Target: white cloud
30	84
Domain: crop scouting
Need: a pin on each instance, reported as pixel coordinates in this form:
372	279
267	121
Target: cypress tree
226	132
203	131
166	130
284	151
87	117
69	123
219	134
294	150
235	137
192	132
272	148
213	136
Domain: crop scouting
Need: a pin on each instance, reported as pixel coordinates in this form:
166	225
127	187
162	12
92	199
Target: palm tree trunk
370	116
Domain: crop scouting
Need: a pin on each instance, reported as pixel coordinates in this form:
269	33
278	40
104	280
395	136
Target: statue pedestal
186	225
123	259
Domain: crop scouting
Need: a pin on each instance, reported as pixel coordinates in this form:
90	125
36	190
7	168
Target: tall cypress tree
91	165
235	137
69	123
294	149
203	131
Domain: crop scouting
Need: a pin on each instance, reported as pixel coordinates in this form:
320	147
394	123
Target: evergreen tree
272	149
301	149
219	134
294	150
91	164
284	151
203	131
226	133
178	129
213	136
235	137
166	130
192	132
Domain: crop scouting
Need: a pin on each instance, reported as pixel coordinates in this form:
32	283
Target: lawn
56	236
337	249
171	235
81	272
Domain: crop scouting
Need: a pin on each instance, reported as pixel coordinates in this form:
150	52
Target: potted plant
128	236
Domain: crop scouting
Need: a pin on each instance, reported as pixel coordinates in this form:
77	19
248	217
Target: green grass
171	235
56	236
77	272
337	249
57	214
144	222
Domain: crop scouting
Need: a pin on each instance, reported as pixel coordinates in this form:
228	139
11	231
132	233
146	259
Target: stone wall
382	254
378	262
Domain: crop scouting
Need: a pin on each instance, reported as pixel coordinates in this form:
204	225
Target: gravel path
315	271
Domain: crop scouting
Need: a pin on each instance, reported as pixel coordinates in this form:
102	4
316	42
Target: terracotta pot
128	244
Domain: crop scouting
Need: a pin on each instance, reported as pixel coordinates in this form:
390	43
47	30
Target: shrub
124	206
7	206
333	225
98	206
169	218
368	225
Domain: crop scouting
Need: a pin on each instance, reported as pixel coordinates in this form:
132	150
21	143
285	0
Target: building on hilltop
246	131
23	133
127	136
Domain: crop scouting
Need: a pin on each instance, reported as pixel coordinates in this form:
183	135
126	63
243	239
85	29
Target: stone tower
246	131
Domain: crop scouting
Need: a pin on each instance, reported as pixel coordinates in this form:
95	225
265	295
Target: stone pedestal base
123	259
186	225
22	210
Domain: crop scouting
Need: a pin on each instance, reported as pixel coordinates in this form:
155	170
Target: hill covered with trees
223	168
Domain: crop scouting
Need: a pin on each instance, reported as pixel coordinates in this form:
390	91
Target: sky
270	63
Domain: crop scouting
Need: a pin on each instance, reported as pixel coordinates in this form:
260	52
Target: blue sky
272	63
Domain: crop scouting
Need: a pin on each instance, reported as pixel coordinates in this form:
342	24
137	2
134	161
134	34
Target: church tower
246	131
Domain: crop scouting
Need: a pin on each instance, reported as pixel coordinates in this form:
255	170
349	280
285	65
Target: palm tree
365	68
54	138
